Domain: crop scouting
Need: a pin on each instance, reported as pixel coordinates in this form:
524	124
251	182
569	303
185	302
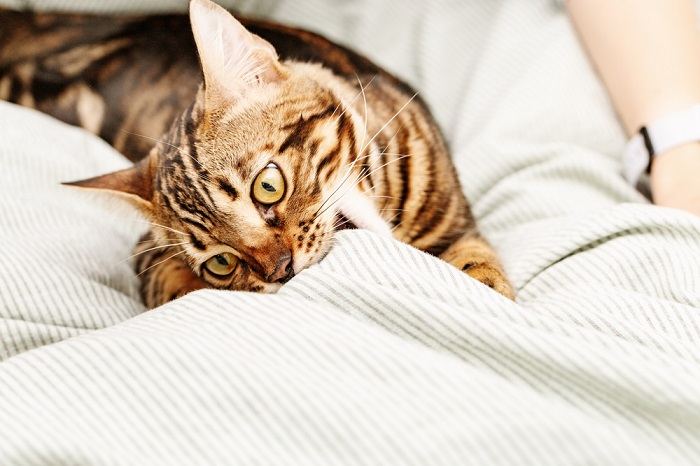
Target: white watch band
670	131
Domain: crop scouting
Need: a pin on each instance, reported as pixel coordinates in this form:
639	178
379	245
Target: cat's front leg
163	276
474	255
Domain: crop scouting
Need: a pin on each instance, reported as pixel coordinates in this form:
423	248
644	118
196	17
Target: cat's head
255	176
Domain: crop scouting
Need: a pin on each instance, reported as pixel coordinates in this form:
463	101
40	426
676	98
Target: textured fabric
62	267
380	354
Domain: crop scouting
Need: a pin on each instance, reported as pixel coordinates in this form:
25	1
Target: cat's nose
289	275
283	270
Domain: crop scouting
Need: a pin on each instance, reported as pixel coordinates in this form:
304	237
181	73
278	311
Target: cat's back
113	75
126	78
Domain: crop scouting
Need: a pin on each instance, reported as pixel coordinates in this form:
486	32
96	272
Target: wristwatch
657	137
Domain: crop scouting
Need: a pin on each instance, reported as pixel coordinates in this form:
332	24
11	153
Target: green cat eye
268	186
221	264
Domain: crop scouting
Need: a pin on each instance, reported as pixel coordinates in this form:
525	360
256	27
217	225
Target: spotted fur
355	145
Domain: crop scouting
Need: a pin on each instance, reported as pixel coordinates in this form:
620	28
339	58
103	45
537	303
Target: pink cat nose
283	270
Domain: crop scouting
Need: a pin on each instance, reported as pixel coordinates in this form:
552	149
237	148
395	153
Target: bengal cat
253	144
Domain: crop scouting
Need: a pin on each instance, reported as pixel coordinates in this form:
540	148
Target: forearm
647	53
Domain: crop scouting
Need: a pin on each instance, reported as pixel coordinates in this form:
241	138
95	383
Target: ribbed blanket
380	354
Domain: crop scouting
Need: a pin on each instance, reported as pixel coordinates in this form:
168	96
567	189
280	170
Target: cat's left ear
233	59
134	184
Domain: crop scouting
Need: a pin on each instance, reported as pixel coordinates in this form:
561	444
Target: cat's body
125	77
345	141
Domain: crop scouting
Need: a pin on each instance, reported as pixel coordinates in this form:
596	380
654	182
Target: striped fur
354	144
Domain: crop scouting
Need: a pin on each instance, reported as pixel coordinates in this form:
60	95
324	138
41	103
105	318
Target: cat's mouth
343	223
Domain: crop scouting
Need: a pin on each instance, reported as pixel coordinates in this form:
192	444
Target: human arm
647	53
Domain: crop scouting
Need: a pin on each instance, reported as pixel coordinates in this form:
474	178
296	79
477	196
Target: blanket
380	354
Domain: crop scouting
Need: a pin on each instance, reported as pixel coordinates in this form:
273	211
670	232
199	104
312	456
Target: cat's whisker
318	214
352	166
360	179
357	159
344	180
153	224
389	121
336	108
364	135
179	149
153	240
348	105
380	167
371	165
340	223
380	154
351	101
146	241
167	228
387	145
393	229
364	98
160	262
340	185
315	215
154	248
394	216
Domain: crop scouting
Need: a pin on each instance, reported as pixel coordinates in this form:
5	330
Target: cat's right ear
134	184
233	59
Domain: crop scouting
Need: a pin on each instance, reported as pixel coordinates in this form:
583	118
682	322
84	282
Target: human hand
675	178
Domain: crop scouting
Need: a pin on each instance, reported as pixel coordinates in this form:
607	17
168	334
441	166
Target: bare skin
647	53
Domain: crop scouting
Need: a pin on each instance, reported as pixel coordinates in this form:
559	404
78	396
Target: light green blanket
380	354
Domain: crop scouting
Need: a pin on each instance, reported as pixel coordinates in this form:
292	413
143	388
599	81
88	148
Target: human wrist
660	137
674	177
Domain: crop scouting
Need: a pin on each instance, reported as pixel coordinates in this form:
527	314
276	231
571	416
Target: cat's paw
474	256
490	275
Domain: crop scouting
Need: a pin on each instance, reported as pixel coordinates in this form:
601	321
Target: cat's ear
232	58
134	184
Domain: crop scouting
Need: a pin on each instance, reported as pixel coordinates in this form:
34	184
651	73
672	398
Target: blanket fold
380	354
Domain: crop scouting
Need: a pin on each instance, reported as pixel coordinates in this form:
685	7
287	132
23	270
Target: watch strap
656	138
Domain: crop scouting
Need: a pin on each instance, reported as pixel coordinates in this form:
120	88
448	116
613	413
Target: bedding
380	354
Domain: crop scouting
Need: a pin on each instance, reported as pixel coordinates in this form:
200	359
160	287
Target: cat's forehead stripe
228	189
302	128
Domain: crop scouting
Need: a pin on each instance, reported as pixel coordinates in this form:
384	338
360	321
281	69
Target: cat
253	144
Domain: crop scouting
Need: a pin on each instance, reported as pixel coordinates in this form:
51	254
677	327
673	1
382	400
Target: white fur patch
360	210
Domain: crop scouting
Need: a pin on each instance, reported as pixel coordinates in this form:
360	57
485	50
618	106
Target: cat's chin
271	287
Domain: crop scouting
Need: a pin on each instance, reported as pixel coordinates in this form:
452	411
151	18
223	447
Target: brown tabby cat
256	168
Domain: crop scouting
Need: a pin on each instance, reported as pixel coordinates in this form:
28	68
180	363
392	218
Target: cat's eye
221	264
268	186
